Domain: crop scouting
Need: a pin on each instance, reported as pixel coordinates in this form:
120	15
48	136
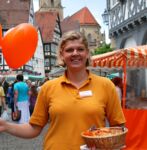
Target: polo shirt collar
64	78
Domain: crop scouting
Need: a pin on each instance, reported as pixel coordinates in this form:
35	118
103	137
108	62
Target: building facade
38	58
84	21
128	28
127	22
49	24
13	13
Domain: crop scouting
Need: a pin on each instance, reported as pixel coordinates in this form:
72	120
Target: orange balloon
19	45
0	35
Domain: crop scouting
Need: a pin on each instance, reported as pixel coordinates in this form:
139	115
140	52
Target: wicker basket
113	141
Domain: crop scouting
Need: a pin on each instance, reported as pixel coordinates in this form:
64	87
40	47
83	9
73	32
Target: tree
104	48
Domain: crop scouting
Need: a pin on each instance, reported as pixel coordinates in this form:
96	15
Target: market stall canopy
133	56
136	138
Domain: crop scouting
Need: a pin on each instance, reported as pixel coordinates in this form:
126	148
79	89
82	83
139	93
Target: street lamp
105	17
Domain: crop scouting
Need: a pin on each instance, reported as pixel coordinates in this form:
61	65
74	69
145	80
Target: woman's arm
20	130
4	102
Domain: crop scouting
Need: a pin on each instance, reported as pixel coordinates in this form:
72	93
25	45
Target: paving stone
9	142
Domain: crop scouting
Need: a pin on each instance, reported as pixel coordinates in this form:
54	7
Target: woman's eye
80	49
69	50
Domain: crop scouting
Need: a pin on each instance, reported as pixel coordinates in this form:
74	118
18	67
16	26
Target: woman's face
75	54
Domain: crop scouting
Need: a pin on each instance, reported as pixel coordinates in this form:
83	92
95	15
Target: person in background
9	95
119	86
72	103
12	96
21	98
5	85
2	99
29	83
40	83
32	97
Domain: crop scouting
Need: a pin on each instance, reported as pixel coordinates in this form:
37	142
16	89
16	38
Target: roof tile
68	24
84	16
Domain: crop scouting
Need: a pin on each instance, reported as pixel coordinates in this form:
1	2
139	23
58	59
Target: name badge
85	93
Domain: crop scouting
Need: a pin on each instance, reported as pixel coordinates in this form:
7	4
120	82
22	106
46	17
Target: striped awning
133	57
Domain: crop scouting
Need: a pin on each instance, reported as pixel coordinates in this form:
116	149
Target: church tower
51	5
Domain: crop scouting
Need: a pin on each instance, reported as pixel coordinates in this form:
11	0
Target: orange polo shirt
71	110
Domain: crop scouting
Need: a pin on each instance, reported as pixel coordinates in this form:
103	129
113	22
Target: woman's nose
75	52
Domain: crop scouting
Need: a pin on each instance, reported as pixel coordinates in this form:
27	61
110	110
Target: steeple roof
84	16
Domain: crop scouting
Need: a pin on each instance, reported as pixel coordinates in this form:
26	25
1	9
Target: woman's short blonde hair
70	36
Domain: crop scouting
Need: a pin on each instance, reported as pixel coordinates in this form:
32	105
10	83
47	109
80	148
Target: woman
21	98
71	103
119	86
2	99
32	97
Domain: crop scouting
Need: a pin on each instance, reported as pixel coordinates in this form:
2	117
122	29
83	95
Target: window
46	62
53	61
53	48
91	40
89	37
47	48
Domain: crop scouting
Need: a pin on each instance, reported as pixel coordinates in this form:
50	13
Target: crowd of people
19	94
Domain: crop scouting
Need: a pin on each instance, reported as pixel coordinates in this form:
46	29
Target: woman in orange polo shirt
71	103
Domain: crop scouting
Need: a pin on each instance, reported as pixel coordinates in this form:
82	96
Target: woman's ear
60	60
61	55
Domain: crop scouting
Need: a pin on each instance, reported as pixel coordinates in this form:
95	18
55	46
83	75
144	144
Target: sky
96	7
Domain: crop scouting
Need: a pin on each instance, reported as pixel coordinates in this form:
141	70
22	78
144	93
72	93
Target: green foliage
104	48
